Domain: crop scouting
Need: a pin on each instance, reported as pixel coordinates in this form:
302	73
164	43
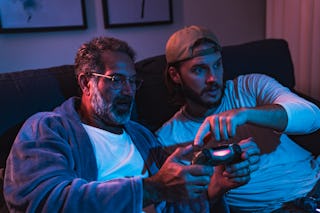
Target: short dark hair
176	96
89	55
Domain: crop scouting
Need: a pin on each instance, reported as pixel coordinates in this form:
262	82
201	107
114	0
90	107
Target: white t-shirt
286	173
116	155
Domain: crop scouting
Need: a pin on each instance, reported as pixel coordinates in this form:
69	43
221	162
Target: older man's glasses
118	81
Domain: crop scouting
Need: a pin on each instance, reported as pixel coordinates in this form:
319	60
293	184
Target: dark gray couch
26	92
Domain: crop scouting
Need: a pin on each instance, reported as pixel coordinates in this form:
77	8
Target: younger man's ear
174	74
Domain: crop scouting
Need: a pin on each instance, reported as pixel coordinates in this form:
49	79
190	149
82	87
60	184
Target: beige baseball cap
180	45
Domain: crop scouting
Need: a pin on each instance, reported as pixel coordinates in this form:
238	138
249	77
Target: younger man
211	107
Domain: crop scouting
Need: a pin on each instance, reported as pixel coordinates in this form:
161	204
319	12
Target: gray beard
108	111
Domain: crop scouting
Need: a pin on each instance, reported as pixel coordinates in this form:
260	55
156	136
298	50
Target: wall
234	21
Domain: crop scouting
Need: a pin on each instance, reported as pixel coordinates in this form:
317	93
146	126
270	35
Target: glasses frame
125	79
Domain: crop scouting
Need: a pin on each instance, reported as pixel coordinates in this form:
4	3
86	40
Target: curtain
298	21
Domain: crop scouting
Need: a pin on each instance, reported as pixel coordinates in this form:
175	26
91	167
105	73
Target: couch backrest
27	92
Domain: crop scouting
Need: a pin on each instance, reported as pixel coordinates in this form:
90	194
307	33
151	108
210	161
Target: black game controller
224	154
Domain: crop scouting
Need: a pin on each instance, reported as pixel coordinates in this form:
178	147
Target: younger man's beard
109	112
196	98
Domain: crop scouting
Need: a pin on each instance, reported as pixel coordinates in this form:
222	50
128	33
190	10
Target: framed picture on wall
123	13
41	15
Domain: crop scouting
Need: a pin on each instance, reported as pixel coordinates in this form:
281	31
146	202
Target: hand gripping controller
225	154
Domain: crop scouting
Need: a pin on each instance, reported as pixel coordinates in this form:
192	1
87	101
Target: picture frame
126	13
41	15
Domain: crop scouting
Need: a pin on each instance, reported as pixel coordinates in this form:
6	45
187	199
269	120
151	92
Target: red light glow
221	152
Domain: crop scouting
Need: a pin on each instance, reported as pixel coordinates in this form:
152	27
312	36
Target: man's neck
116	129
197	112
